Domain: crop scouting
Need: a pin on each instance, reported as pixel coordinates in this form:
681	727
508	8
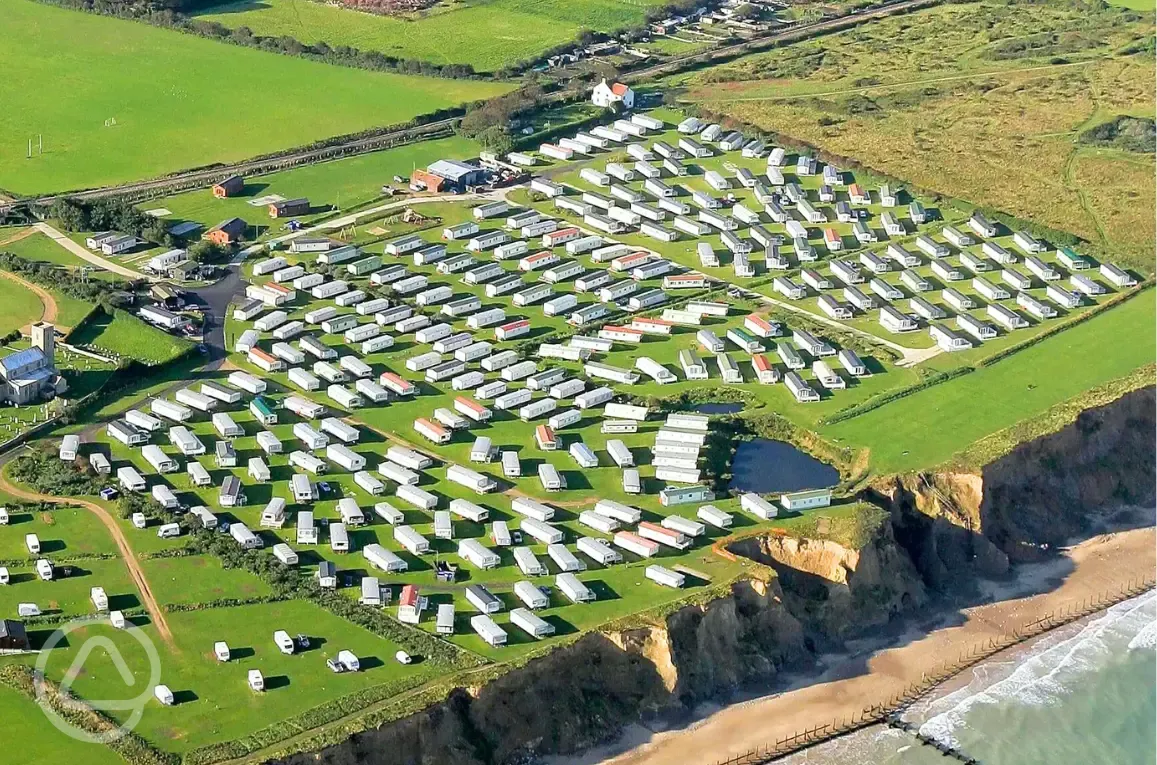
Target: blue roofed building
30	375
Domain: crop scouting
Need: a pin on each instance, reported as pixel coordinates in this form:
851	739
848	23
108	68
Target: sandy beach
871	674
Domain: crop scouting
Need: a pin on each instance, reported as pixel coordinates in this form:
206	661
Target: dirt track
127	554
50	311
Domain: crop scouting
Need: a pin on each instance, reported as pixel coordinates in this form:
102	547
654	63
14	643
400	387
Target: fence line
879	714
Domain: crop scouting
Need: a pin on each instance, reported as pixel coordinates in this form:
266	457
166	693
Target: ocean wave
1146	638
1048	672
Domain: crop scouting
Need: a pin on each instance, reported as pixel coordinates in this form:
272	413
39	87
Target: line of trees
109	214
107	294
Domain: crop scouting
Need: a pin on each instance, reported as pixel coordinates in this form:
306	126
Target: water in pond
762	465
719	408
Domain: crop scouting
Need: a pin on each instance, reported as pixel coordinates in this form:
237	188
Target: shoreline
852	690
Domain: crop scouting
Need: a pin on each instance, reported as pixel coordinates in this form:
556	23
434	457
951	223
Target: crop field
486	34
983	102
929	427
342	184
127	336
233	102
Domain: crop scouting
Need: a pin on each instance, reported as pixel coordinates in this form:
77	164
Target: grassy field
128	337
233	102
199	579
929	427
41	742
980	101
214	703
486	34
340	184
21	306
36	246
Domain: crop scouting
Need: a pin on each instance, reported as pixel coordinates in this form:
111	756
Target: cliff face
1025	505
945	528
582	695
836	591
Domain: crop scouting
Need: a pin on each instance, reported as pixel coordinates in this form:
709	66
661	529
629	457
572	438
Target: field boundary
943	377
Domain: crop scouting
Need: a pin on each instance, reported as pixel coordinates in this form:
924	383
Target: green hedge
886	398
131	747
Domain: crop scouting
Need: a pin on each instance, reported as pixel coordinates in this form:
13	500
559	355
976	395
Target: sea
1084	694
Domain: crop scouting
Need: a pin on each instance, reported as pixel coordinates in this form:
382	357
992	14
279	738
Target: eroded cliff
1034	499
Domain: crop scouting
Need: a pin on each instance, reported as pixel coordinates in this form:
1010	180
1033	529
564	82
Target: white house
607	95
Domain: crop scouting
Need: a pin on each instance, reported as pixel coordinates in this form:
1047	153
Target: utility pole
40	138
29	148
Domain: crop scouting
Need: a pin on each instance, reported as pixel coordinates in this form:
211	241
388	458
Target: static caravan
383	559
478	482
160	461
1007	318
1118	277
570	586
480	556
198	475
1035	307
975	327
407	537
186	441
168	410
664	576
945	271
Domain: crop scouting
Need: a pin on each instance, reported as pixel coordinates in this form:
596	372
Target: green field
214	703
21	306
339	184
929	427
232	102
199	579
41	742
128	337
486	34
38	247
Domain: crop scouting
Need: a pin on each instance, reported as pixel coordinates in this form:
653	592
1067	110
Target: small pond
720	407
762	465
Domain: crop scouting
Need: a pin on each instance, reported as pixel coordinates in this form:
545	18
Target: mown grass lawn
214	702
341	184
128	337
178	101
19	306
929	427
198	578
39	247
487	34
25	723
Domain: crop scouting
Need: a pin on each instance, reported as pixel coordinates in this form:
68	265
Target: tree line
107	294
173	14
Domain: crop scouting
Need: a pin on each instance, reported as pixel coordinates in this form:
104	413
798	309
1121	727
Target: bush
45	472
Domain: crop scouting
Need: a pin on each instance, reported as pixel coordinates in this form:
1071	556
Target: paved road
84	254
